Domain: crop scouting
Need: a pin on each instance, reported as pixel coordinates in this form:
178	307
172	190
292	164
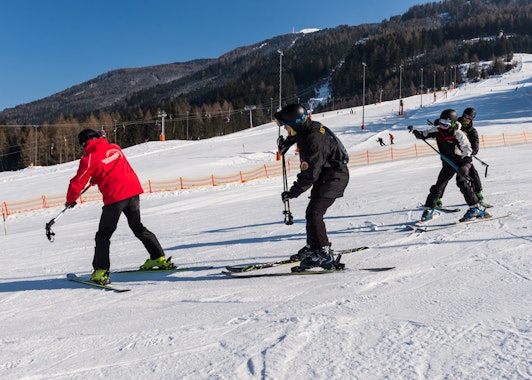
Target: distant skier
381	141
455	146
106	165
324	168
466	120
391	138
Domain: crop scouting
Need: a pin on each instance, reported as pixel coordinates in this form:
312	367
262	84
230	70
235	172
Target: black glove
419	135
410	128
286	195
284	144
280	145
70	205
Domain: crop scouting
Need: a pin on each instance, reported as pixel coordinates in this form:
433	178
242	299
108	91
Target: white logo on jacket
112	155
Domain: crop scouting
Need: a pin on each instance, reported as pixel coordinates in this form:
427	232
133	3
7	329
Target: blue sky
49	46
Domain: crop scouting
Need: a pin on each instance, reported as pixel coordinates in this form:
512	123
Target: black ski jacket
472	134
323	162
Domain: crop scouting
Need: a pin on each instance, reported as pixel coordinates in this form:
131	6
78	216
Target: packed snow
458	304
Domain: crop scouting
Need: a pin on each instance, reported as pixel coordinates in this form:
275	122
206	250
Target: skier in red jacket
105	165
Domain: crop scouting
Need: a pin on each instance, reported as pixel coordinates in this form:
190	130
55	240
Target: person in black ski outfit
456	151
324	168
467	126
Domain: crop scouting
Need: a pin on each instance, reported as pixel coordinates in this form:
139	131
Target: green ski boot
162	263
101	276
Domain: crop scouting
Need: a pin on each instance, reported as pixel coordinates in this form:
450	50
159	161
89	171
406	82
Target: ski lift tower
250	109
162	115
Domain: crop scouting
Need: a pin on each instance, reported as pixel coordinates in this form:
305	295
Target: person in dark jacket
472	134
456	152
105	165
324	169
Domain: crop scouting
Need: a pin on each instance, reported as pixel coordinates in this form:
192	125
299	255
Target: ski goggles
291	123
445	123
468	117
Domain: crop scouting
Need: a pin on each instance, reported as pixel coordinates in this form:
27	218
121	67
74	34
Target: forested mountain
203	98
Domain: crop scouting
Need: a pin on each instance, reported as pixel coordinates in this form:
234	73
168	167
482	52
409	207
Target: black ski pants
475	178
436	190
108	223
316	231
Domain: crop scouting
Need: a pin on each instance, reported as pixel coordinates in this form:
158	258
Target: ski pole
288	218
483	163
49	233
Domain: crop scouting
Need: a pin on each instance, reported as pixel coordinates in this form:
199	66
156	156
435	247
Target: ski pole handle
49	233
288	217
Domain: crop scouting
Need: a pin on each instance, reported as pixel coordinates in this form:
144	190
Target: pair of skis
242	271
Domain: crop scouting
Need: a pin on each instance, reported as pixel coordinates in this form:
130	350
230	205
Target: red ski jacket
105	165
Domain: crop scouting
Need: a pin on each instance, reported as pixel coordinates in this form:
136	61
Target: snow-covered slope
457	306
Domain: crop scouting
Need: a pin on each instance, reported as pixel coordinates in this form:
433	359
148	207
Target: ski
301	273
257	266
177	269
79	280
281	274
445	209
444	226
442	209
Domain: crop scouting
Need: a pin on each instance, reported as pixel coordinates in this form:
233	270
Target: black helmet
86	135
448	119
449	115
293	115
471	112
